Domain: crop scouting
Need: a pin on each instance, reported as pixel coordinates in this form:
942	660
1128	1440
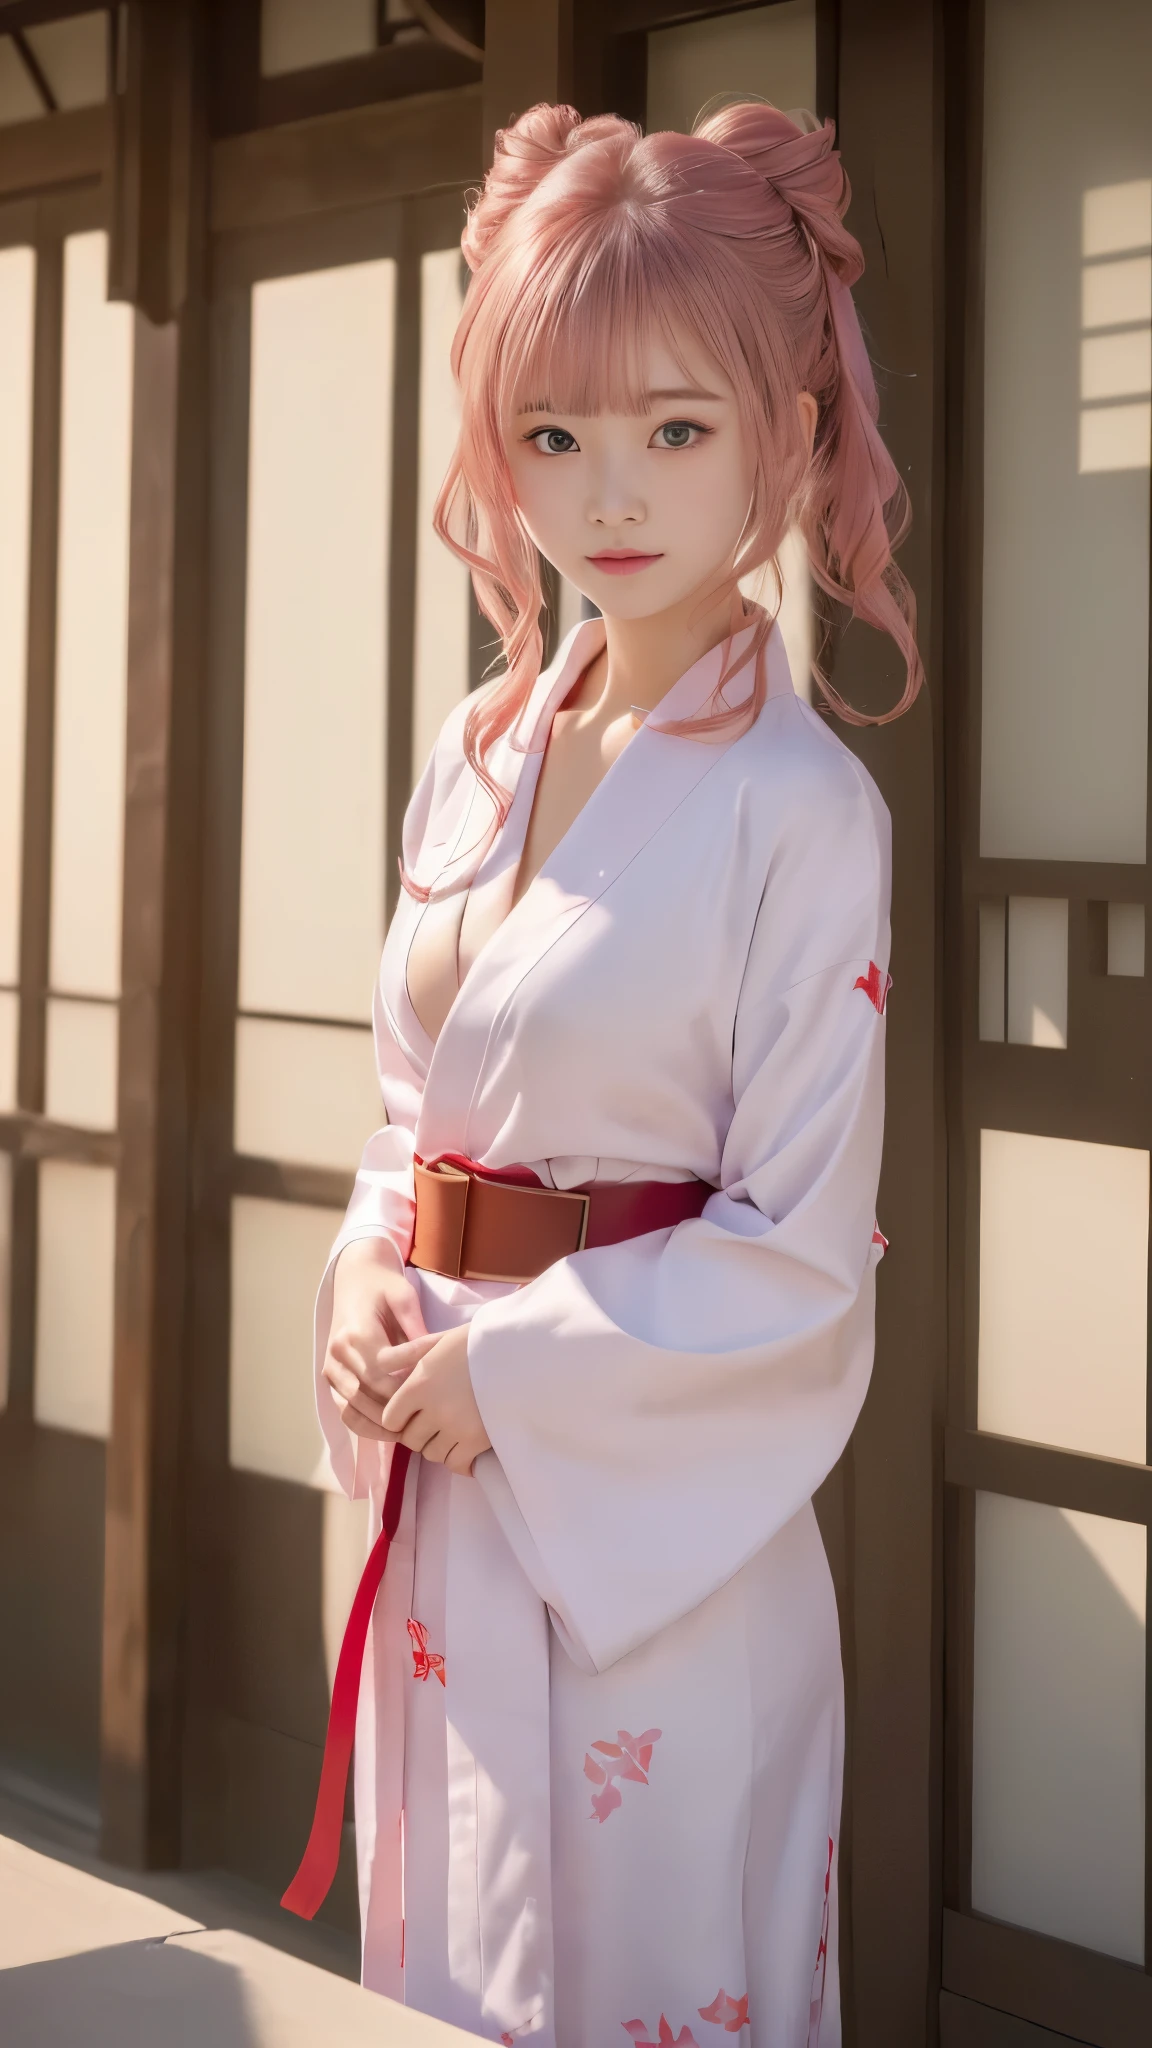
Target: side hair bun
523	156
802	165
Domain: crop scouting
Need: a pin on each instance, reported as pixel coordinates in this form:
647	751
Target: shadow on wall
138	1994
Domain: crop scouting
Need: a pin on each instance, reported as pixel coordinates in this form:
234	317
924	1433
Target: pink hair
587	230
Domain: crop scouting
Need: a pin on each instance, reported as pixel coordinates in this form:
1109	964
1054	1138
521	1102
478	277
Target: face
640	512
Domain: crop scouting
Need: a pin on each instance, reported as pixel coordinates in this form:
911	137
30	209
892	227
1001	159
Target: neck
642	658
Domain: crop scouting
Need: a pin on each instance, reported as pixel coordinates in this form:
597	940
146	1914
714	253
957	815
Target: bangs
576	331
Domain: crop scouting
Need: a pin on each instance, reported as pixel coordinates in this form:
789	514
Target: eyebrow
683	391
649	399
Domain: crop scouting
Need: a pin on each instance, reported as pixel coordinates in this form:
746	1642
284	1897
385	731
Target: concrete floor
92	1957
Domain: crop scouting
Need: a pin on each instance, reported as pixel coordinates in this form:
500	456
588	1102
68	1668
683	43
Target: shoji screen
1051	1422
345	633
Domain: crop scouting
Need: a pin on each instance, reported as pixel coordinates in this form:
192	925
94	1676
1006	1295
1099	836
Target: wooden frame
242	100
381	181
1099	1089
51	1483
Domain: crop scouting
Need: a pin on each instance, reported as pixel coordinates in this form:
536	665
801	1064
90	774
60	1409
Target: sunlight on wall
75	1275
1058	1723
1068	308
1118	365
91	627
304	1092
1064	1293
279	1251
312	859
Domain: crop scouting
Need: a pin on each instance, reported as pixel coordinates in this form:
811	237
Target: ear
808	409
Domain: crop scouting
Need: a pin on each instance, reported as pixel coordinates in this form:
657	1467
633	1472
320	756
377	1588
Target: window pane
442	595
279	1252
295	34
19	99
74	1297
5	1269
1058	1724
81	1054
73	55
1037	971
312	865
91	627
17	303
769	52
1068	220
9	1038
305	1092
1064	1293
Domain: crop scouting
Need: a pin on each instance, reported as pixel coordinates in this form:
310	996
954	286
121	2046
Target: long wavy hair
589	238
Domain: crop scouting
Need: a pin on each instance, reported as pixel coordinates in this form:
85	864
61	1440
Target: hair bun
802	165
524	154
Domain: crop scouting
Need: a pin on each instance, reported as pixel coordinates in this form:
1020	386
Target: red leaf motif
729	2013
605	1802
665	2037
875	985
428	1664
628	1759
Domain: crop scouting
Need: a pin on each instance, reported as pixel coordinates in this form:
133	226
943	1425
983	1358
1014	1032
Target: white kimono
598	1776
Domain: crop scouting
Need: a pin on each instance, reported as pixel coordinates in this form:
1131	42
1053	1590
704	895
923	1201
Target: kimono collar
688	695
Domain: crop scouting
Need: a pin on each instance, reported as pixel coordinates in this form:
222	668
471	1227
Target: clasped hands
392	1381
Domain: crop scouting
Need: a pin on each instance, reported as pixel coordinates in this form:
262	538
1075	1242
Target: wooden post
527	57
145	1536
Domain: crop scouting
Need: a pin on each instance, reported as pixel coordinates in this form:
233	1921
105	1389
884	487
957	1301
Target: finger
408	1313
437	1448
361	1425
402	1405
418	1432
459	1460
387	1373
340	1377
393	1361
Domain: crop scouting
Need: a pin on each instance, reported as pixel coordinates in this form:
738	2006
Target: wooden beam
147	259
1039	1472
147	1450
1074	1991
337	161
56	149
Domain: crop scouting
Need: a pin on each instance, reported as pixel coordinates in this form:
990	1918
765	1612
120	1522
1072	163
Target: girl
607	1276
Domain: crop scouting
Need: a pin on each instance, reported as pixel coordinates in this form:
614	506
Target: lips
622	561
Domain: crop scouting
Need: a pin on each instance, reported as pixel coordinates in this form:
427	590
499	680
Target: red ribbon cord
312	1882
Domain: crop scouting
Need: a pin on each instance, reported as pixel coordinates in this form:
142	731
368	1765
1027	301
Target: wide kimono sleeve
383	1200
659	1408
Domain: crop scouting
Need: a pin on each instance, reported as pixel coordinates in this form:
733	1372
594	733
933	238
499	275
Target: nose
614	500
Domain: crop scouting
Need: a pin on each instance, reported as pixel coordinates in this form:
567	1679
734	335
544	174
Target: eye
553	440
678	434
